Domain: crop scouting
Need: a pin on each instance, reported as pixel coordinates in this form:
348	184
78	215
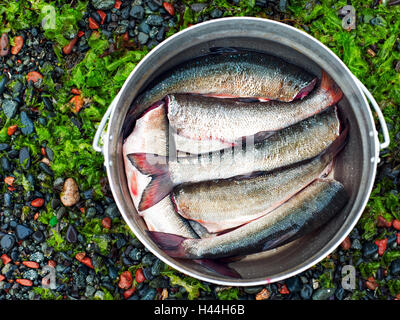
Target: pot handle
381	118
102	124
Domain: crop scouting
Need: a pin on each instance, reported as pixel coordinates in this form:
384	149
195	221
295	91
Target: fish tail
219	267
306	90
169	243
331	88
160	185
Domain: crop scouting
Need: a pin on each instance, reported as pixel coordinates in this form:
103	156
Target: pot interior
354	166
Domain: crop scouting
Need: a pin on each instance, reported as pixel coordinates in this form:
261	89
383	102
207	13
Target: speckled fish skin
301	214
242	74
300	142
294	144
207	118
223	204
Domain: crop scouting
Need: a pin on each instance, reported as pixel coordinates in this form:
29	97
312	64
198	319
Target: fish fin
160	185
219	267
306	90
331	88
170	243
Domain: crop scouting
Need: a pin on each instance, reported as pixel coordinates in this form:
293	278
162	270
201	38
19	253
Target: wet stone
7	200
30	274
5	164
23	232
197	7
369	249
4	146
28	126
323	293
142	38
72	234
154	20
3	82
216	13
103	4
306	292
294	284
4	45
37	257
38	236
7	242
10	108
137	12
24	157
395	267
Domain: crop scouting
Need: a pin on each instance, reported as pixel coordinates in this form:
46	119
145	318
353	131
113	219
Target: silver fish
226	120
293	144
240	74
224	204
303	213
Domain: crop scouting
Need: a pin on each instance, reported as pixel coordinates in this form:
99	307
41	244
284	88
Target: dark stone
28	127
103	4
3	82
135	254
23	232
7	199
38	236
142	38
216	13
149	294
323	293
45	168
395	267
10	108
306	292
197	7
24	157
369	249
5	164
137	12
154	20
4	147
7	242
153	5
72	234
294	284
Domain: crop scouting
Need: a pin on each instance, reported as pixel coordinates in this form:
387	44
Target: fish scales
243	74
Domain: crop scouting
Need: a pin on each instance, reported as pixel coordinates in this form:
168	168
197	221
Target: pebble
369	249
294	284
19	42
23	232
70	194
10	108
323	293
38	236
24	157
137	12
103	4
3	82
37	257
30	274
28	127
306	292
4	45
7	242
72	234
142	38
154	20
395	267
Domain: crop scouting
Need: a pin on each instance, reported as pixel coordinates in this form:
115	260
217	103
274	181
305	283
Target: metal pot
355	167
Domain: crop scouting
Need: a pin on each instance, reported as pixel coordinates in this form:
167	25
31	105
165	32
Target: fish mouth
306	90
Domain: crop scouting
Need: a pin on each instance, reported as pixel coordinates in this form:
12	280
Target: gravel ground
61	234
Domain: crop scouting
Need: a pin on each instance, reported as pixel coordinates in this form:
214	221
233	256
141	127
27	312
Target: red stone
381	245
346	244
79	256
37	203
128	293
33	76
102	15
31	264
106	222
125	280
382	222
80	34
2	277
169	8
52	263
19	42
139	276
93	24
25	282
87	262
5	258
284	290
117	4
11	129
77	101
396	224
68	48
9	180
371	283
